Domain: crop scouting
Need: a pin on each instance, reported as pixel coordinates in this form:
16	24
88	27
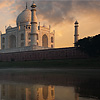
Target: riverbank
65	63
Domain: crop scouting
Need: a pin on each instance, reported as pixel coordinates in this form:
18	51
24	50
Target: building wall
0	39
61	53
3	40
42	30
25	30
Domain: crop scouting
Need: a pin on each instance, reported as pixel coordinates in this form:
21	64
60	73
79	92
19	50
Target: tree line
90	45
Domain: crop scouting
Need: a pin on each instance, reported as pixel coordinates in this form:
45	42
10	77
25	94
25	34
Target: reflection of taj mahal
20	92
27	36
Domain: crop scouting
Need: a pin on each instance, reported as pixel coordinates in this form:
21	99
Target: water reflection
73	85
27	92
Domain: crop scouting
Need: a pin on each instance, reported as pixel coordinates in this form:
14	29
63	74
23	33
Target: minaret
76	32
33	25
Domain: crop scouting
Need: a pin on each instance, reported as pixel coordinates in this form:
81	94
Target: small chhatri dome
9	27
76	22
33	5
28	23
24	17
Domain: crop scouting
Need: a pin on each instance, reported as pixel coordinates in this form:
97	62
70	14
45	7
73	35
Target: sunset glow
61	15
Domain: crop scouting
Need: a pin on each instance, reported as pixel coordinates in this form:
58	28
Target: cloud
56	11
6	3
59	11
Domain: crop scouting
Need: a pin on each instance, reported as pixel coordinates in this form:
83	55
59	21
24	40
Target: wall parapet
56	53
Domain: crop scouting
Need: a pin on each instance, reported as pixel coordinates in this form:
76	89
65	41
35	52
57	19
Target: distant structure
27	36
76	32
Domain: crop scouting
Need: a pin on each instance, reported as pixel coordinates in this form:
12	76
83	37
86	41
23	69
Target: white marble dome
24	17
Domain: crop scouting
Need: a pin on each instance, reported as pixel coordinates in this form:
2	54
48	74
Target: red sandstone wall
62	53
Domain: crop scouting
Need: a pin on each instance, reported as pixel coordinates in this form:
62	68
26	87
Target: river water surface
51	84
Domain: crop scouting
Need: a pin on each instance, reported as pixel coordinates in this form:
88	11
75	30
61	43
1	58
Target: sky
60	14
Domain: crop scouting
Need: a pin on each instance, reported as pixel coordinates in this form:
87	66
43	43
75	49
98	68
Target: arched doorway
12	41
44	40
3	40
45	92
22	36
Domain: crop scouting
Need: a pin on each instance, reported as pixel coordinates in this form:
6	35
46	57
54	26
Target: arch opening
45	92
51	39
22	36
44	40
3	40
12	41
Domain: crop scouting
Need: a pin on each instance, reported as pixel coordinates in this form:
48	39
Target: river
49	84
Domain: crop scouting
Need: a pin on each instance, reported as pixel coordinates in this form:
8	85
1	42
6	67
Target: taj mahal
31	41
27	35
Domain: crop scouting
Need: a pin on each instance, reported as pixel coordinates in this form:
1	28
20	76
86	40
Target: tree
90	45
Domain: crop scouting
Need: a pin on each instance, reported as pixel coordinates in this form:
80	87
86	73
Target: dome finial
33	5
26	5
76	22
